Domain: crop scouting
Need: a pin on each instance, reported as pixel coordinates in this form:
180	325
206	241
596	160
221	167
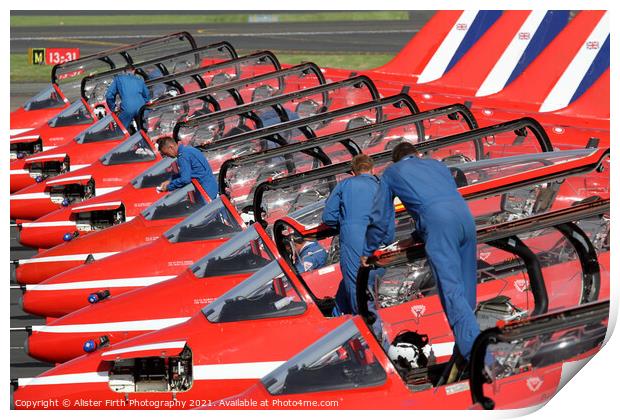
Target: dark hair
131	67
164	141
361	163
403	149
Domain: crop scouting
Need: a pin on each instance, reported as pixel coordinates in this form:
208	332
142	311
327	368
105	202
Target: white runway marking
254	34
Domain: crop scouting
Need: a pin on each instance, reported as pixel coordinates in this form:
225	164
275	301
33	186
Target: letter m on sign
36	55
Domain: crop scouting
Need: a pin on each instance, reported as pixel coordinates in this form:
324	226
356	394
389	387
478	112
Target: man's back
193	164
356	198
131	89
421	182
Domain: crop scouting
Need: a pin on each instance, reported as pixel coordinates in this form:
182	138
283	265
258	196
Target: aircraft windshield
69	75
279	202
76	114
246	252
241	180
301	130
156	174
48	98
340	360
212	221
535	352
178	203
104	129
218	152
95	88
311	215
134	149
265	115
266	294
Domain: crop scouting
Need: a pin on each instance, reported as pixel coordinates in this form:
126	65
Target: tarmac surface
340	37
334	37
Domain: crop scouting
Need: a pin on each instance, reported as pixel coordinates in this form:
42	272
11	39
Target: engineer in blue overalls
310	255
191	163
133	94
443	220
348	209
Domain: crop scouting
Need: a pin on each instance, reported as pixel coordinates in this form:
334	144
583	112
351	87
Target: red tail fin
410	61
470	71
593	104
529	90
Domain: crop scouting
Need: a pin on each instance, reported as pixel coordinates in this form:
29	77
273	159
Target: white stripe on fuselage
565	88
30	196
438	63
48	224
67	257
498	76
18	131
71	378
69	178
250	370
139	325
13	139
108	283
45	157
146	347
102	191
92	206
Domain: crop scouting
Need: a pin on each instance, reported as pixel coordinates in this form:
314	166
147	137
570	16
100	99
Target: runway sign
52	56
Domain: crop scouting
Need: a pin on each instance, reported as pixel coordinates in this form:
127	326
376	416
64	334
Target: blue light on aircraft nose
21	155
65	202
67	237
98	296
38	179
90	346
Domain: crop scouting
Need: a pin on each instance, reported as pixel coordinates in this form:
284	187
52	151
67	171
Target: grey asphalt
340	37
22	366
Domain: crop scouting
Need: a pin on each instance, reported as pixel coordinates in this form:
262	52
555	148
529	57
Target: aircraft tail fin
508	46
440	44
575	58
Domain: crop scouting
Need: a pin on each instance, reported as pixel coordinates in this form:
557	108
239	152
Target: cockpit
103	130
244	253
135	149
178	203
211	221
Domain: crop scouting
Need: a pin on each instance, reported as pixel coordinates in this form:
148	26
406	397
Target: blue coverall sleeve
110	95
381	227
145	93
185	174
331	213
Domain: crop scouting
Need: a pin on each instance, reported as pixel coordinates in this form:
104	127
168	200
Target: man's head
402	150
298	243
131	69
168	147
362	164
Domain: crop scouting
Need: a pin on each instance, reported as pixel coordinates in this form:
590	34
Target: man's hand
164	186
364	261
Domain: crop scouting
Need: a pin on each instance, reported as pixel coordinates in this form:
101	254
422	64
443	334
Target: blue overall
348	209
133	92
443	220
311	257
193	164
